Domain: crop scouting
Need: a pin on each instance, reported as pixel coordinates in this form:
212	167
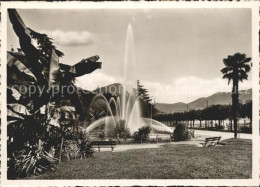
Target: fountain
127	107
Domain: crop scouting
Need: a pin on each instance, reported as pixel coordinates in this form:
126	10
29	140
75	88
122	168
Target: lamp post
152	102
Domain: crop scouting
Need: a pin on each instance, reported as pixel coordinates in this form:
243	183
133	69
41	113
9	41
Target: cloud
184	89
70	38
97	79
187	89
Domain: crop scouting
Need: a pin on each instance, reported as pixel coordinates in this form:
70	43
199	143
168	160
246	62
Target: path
200	136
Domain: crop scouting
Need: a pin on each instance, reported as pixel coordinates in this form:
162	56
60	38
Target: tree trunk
235	104
61	145
200	124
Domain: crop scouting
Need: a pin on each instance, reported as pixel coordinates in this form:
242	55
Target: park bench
212	141
103	144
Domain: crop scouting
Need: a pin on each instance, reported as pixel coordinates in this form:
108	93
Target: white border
133	5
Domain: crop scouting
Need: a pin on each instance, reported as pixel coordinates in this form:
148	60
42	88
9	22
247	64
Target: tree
142	92
191	116
236	69
180	132
246	111
147	106
142	134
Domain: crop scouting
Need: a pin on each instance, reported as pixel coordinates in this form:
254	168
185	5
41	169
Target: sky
177	54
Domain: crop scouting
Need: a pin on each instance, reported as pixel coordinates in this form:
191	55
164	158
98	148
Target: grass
232	161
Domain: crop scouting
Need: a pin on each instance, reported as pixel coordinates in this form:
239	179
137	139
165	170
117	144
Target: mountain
171	108
222	98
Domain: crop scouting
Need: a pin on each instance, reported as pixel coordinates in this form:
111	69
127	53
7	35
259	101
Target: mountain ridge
222	98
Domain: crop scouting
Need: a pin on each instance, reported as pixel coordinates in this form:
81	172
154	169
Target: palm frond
246	60
44	42
236	67
242	75
246	67
228	76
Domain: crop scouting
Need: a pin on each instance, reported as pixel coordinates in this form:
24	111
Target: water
135	122
128	71
127	107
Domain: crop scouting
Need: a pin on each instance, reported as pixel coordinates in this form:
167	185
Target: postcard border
118	5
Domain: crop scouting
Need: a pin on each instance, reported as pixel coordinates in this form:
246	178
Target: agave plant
84	143
70	150
32	161
77	145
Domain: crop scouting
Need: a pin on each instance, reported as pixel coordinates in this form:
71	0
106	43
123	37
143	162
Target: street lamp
152	102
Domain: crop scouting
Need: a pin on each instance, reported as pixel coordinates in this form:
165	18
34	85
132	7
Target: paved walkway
224	135
200	136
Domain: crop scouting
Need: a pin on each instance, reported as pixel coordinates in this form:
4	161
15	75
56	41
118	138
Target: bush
30	161
181	133
220	127
70	150
77	146
142	134
121	131
85	148
246	129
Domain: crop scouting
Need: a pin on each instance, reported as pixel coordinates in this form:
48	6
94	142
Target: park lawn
231	161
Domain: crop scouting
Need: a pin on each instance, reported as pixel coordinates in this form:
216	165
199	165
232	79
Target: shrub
220	127
70	150
246	129
85	148
121	131
181	133
142	134
77	146
32	160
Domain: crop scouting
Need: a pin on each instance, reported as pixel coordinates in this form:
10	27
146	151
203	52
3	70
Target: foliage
85	148
142	134
45	45
213	112
70	150
246	111
246	129
220	127
26	156
121	131
27	131
96	113
77	145
24	136
181	132
31	160
142	92
148	108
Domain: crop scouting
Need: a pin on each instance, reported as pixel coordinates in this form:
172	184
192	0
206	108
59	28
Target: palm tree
236	69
